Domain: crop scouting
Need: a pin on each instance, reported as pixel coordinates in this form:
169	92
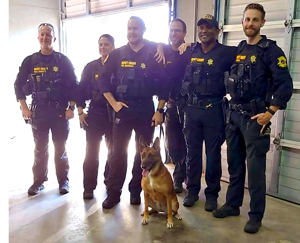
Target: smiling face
105	47
207	33
176	34
46	38
135	31
252	22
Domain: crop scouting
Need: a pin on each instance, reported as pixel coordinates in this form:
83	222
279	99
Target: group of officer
120	86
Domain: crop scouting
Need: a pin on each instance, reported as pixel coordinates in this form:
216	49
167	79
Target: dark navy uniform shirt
89	86
175	70
215	62
270	63
56	61
142	60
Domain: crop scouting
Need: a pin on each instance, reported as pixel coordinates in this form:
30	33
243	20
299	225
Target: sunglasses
46	24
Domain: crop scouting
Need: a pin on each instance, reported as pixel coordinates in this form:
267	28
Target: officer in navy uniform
130	79
203	88
174	124
259	84
96	122
49	78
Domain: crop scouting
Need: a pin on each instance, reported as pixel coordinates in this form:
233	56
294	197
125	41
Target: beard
251	32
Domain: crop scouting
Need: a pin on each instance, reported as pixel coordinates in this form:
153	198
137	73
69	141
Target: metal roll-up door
283	159
289	170
77	8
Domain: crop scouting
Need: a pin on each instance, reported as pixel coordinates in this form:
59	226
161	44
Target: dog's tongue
145	173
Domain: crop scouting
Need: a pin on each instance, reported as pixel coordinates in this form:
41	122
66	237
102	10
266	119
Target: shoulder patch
282	62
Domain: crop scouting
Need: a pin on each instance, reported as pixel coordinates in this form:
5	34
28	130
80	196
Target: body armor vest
45	78
203	78
249	76
94	92
133	78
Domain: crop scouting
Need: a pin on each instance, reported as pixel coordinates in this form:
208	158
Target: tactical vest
94	92
203	77
249	76
133	81
45	77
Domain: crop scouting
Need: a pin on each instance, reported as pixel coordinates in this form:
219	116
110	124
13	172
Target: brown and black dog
157	184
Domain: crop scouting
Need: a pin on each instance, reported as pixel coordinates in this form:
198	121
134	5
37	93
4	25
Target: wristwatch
271	111
160	110
72	107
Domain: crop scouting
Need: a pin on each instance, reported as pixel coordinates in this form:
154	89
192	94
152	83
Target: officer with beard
259	84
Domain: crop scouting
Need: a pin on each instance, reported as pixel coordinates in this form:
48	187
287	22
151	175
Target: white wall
186	12
24	19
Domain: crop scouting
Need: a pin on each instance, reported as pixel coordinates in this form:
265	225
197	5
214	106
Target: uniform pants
137	117
204	125
45	119
244	142
98	125
175	142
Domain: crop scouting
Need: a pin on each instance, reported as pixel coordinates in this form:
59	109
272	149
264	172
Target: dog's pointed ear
142	143
156	144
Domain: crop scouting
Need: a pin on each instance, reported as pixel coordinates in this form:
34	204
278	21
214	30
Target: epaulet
123	52
35	59
266	43
241	46
195	45
57	56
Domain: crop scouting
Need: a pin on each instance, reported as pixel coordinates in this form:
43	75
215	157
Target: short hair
258	7
47	24
109	37
182	23
140	20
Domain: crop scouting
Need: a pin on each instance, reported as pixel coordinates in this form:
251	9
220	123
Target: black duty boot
135	199
110	202
252	226
64	187
190	199
178	187
88	194
34	189
225	211
211	204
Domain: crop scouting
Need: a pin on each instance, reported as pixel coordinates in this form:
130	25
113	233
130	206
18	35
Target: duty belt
137	102
253	107
205	103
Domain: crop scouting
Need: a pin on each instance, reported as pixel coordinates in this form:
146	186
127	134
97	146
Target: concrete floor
51	217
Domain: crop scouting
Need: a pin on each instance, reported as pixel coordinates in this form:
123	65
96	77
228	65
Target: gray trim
288	33
222	20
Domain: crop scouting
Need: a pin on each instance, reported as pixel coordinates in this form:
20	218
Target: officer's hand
119	105
262	119
159	55
26	113
157	119
69	114
182	48
82	119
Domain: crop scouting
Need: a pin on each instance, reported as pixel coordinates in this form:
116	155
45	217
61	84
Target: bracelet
79	114
160	110
271	111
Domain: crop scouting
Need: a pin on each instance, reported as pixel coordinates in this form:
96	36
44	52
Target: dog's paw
145	221
142	214
169	225
178	216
